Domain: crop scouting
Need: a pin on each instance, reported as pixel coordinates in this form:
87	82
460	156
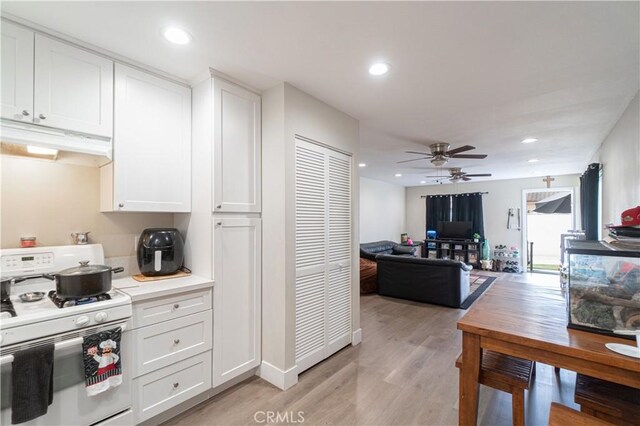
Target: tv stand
464	250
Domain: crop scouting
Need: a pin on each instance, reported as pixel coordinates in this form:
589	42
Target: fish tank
603	291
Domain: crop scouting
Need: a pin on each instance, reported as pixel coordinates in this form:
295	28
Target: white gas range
27	324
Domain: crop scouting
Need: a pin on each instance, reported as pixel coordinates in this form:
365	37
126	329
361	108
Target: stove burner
65	303
6	307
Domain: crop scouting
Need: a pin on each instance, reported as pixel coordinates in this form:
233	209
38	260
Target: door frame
523	209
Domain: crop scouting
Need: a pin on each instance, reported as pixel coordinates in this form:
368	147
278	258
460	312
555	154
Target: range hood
79	148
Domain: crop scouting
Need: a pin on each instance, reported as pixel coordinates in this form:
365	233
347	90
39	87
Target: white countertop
148	290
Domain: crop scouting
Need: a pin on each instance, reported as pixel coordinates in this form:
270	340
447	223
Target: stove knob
101	317
81	321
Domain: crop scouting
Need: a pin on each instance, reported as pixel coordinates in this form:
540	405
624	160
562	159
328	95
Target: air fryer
160	251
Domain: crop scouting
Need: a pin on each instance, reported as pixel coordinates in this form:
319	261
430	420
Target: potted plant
476	237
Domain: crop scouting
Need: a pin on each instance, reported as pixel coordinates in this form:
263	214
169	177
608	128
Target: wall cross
548	181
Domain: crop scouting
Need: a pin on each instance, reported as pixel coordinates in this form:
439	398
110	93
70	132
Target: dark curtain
589	196
468	208
437	210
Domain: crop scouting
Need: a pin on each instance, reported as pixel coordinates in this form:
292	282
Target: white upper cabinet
237	141
73	88
17	72
151	169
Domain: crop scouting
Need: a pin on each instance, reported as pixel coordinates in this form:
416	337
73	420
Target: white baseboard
356	337
277	377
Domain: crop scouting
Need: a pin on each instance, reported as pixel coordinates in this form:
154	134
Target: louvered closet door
311	254
339	285
323	246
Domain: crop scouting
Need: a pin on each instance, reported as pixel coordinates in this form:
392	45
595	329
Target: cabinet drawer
165	388
167	308
159	345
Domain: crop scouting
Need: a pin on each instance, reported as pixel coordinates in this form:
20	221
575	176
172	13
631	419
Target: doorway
548	213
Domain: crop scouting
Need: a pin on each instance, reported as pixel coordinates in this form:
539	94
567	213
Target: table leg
469	376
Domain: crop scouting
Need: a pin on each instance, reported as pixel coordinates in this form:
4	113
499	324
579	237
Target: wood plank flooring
403	373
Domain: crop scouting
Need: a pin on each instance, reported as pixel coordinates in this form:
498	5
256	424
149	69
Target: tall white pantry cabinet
224	229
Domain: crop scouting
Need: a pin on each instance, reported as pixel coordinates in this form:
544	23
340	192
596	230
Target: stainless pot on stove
83	281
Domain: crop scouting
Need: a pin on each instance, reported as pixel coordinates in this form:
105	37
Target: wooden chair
508	374
614	403
559	415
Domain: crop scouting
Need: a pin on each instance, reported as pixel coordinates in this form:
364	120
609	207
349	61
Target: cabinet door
151	144
237	140
236	297
73	88
17	72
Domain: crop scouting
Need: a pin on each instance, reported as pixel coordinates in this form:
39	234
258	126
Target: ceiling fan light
438	161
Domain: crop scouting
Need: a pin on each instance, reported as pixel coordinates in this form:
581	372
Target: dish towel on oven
32	383
102	364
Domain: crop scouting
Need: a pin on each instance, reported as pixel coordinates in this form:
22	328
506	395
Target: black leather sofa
368	267
437	281
371	250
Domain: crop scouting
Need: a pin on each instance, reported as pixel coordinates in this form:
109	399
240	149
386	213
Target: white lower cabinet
172	339
167	387
166	343
237	296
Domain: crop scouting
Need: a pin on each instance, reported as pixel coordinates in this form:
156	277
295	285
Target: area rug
479	283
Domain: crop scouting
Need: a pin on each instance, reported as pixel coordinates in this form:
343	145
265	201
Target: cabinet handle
121	205
175	385
219	206
25	112
42	117
176	306
219	223
176	341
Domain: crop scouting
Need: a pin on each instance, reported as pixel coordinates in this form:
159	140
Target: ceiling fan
456	175
440	154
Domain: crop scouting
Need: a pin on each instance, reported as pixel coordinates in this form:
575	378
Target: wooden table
530	322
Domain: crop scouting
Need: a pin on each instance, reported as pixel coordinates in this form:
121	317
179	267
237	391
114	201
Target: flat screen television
455	230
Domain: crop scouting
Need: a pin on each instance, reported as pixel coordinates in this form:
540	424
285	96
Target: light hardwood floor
403	373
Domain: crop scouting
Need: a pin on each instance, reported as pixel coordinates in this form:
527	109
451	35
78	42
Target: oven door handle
58	346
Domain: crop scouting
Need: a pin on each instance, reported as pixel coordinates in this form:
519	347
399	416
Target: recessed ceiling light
533	160
41	151
398	175
379	68
423	181
362	165
529	140
176	35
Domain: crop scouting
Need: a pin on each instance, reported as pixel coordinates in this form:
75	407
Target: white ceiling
488	74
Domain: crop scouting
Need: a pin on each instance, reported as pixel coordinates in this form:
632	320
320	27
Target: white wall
382	211
620	158
286	113
49	200
502	195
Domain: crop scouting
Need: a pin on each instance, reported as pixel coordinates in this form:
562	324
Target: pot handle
118	269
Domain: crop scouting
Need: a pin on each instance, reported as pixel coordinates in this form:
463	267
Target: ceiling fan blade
461	149
464	178
421	153
469	156
415	159
438	177
479	175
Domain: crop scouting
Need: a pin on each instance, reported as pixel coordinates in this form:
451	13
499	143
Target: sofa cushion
371	250
404	250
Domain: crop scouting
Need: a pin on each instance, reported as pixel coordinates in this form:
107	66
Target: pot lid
84	269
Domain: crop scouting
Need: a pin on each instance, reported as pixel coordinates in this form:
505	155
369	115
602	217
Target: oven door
71	405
